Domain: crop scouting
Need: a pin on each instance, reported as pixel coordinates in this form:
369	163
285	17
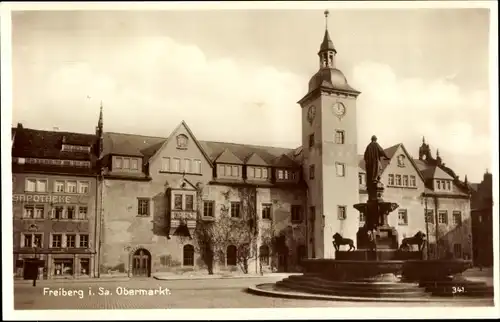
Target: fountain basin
353	270
378	255
434	270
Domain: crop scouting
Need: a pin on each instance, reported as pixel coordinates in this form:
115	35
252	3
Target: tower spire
100	123
327	50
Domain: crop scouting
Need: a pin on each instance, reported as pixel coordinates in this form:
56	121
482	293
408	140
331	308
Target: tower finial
423	139
326	18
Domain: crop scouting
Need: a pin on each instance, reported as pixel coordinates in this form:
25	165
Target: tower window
341	212
339	137
311	140
340	168
311	172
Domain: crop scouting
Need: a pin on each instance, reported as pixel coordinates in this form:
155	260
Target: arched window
301	253
264	254
188	255
231	255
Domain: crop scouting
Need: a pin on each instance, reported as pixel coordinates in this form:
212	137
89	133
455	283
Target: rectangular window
398	180
228	171
296	213
177	202
443	217
71	187
30	185
405	180
189	202
250	172
457	250
286	173
311	172
134	164
84	266
187	165
294	175
448	185
360	179
118	162
84	241
59	186
266	211
429	216
208	208
83	187
41	185
63	266
280	174
82	212
413	181
28	240
339	137
39	210
57	212
126	163
71	241
29	211
438	185
37	240
311	140
340	168
71	212
197	166
165	164
264	173
402	217
235	210
457	218
391	180
142	207
234	171
56	241
341	212
258	172
176	166
220	171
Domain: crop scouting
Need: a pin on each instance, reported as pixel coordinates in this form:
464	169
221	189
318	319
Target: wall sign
41	198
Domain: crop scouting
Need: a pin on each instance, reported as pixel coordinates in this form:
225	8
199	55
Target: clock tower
329	143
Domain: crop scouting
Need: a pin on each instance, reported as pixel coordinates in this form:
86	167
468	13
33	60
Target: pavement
151	293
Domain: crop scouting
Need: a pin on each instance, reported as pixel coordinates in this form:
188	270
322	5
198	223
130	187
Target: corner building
154	188
55	180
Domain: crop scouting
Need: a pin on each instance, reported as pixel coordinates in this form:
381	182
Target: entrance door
141	263
283	260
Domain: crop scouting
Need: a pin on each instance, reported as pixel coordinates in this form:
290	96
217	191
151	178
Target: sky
236	75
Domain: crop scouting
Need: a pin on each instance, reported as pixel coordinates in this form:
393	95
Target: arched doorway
141	263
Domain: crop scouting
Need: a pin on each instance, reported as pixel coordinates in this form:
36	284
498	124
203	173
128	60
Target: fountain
378	270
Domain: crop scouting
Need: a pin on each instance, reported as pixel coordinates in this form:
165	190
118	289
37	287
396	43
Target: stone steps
382	290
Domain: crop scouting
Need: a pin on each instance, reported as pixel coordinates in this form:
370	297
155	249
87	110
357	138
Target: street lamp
426	225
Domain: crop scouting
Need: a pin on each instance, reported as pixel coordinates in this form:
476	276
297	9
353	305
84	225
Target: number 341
457	289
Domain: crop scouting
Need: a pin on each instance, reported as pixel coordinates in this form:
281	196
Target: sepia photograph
326	158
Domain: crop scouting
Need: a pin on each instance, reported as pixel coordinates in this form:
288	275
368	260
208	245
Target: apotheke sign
41	198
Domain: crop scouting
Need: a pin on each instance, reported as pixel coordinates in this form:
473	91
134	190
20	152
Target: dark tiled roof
47	144
41	168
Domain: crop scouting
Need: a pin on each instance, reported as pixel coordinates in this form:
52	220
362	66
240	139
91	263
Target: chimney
19	125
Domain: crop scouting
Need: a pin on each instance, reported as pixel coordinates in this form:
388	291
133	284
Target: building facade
54	203
158	198
482	221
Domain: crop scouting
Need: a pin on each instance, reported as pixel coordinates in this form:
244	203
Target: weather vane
326	18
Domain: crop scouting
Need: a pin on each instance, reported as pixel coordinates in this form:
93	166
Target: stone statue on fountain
376	231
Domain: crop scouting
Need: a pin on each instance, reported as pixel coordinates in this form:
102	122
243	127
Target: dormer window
442	185
75	148
401	160
182	141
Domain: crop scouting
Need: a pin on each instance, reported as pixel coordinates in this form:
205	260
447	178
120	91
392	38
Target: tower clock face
338	109
311	113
